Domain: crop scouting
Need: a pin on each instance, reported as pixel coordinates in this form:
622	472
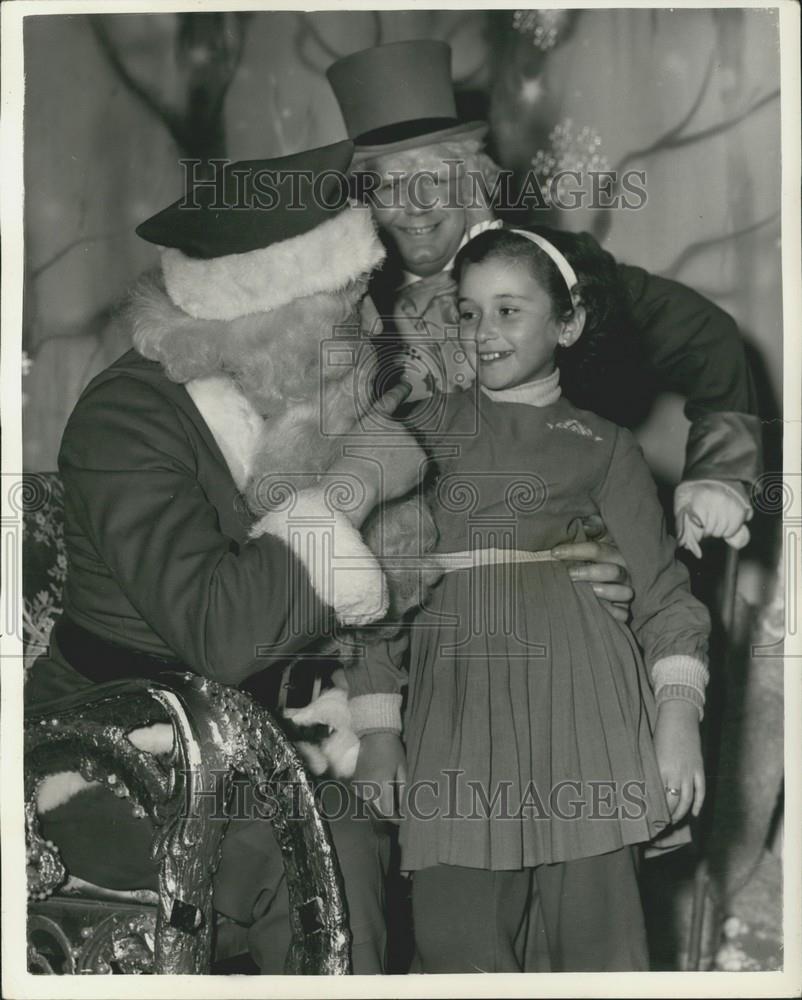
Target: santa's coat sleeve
225	610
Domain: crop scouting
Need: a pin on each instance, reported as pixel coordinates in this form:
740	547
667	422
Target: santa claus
240	504
217	480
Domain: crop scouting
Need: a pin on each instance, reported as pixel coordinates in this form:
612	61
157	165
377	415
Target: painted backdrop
690	97
112	103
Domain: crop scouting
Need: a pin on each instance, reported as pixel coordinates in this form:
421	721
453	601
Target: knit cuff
680	669
375	712
681	676
682	692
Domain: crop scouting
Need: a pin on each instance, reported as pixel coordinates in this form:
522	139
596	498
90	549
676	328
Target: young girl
541	744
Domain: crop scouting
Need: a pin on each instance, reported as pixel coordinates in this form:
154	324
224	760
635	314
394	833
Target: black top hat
398	96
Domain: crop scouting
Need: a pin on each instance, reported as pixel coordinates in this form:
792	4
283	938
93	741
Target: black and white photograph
401	499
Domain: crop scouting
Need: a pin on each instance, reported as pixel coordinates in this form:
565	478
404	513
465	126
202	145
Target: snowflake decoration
542	27
578	151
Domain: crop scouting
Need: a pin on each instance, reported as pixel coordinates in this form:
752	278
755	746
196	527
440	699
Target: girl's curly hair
595	372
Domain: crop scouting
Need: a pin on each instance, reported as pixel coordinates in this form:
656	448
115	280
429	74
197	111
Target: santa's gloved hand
710	509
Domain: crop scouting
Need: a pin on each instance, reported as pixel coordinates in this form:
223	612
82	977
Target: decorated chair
163	745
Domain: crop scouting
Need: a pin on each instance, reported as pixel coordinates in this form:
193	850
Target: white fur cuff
325	259
375	711
345	574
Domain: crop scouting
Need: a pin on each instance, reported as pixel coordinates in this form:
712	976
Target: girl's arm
670	624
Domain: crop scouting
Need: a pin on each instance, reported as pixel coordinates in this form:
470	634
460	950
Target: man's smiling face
419	206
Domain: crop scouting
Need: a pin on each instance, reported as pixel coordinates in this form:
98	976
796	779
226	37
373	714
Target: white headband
560	262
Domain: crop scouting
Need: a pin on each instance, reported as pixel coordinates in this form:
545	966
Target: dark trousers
101	841
577	916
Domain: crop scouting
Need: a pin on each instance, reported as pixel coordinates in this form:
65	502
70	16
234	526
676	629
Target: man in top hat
177	557
398	104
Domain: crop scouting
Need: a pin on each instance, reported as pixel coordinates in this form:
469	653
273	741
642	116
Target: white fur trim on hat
344	572
324	259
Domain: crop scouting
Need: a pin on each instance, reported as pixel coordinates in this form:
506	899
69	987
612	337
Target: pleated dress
530	713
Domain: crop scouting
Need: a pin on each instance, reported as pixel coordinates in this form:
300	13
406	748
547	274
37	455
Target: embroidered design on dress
576	426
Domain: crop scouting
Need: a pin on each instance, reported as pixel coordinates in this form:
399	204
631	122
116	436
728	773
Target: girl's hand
679	756
601	564
381	771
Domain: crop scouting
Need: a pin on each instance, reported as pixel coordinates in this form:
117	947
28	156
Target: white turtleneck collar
539	392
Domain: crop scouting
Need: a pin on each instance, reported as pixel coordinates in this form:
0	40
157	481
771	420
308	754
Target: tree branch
138	89
378	27
700	246
666	139
673	140
705	133
40	269
308	30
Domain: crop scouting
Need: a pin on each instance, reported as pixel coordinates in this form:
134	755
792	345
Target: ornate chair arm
216	732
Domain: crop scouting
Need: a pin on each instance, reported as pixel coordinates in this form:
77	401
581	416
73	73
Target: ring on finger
672	791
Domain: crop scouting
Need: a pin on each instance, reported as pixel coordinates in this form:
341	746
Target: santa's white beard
275	358
300	444
280	362
295	452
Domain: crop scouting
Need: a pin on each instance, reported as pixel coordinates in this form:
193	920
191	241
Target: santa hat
257	234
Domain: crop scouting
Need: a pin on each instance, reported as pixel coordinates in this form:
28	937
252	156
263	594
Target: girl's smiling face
509	316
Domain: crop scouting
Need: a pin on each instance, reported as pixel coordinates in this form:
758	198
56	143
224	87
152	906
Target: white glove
709	509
